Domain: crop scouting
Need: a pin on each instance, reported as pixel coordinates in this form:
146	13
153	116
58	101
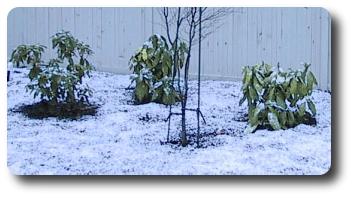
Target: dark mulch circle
45	109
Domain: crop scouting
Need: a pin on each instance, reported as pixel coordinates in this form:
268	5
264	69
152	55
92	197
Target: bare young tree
181	26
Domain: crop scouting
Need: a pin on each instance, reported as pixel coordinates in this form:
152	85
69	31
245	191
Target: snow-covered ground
125	139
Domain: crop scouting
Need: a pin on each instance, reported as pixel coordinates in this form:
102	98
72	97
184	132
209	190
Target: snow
125	139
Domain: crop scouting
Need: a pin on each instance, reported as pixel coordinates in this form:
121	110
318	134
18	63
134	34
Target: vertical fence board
329	66
15	29
54	25
107	39
83	24
30	26
240	46
97	36
68	19
42	29
324	17
316	45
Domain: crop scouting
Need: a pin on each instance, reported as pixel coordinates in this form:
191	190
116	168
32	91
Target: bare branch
165	14
212	20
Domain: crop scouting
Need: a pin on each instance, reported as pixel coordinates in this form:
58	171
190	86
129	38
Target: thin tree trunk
199	60
184	141
175	69
186	74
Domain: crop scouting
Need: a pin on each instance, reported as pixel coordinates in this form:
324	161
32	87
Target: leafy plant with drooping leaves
278	99
152	67
27	54
53	82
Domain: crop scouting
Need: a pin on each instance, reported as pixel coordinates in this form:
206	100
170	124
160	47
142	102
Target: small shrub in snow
152	67
59	83
278	99
52	82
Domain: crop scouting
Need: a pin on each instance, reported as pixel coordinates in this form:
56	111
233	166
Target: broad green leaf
282	119
268	68
149	63
293	86
34	72
42	80
168	98
291	118
253	118
141	91
311	80
29	59
157	60
273	121
250	129
302	109
166	60
164	70
251	107
242	100
303	89
154	40
248	77
312	107
280	100
257	86
156	94
314	78
253	93
271	94
260	78
144	54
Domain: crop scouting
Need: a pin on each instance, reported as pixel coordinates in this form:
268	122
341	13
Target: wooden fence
248	36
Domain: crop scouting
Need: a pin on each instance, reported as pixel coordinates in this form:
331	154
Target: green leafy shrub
53	82
277	99
152	67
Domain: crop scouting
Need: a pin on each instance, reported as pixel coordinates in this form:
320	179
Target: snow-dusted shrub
278	99
52	82
152	67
